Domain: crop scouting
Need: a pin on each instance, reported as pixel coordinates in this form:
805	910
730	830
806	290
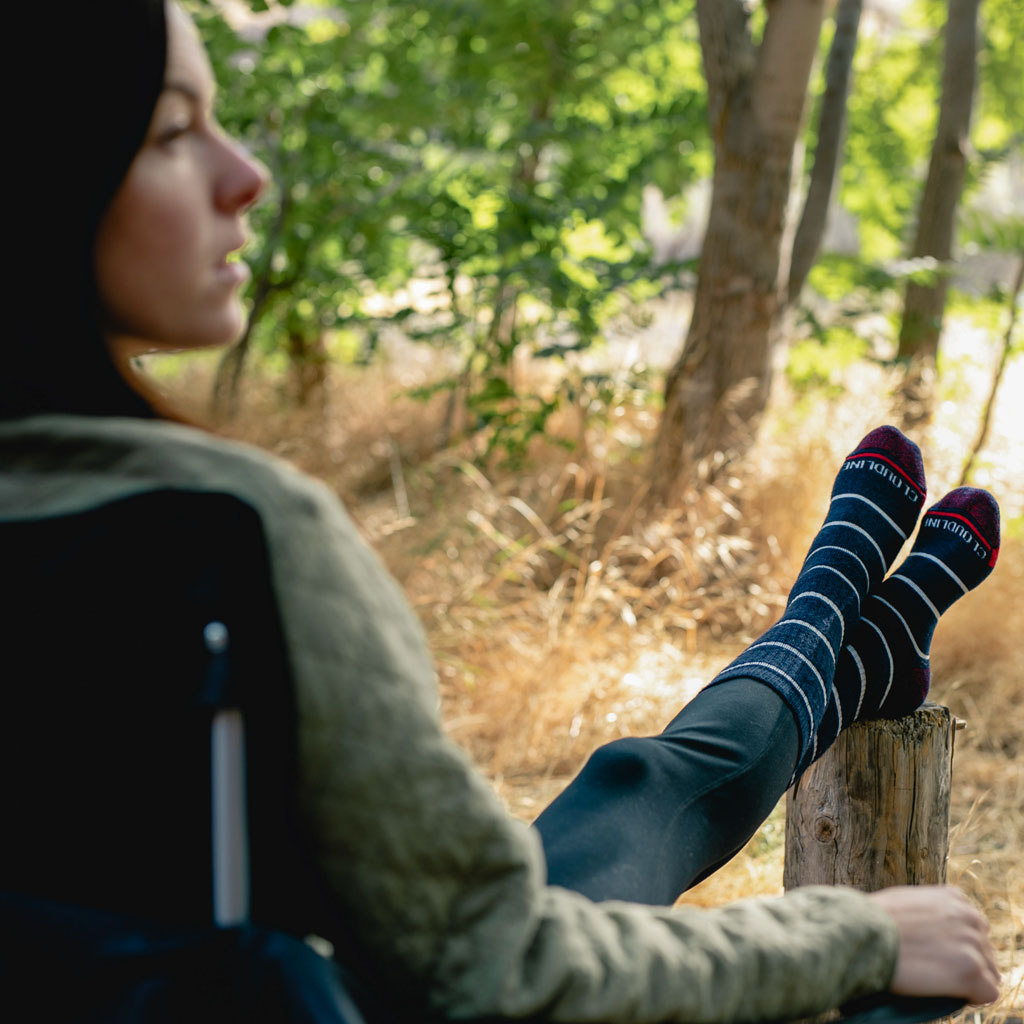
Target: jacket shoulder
61	464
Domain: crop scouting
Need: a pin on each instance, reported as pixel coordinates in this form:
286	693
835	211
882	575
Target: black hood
81	111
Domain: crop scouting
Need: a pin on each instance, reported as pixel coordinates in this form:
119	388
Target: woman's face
161	250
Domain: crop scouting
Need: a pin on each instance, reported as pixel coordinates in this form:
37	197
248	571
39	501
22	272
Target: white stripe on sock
839	708
939	562
829	602
836	547
913	642
842	576
813	629
863	678
892	667
803	657
887	518
859	529
924	597
796	686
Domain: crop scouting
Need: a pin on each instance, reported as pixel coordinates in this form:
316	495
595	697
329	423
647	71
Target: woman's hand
944	947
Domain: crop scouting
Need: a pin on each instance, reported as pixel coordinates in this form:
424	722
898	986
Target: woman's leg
647	817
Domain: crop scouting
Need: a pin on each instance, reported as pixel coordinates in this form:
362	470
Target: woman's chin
224	335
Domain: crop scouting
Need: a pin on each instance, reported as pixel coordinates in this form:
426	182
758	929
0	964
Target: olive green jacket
429	872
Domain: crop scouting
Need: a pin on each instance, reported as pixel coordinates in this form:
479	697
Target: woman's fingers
944	947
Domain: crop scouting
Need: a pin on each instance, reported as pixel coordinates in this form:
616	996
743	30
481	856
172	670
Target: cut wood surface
874	810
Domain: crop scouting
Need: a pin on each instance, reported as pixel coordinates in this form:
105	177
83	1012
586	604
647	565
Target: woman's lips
233	274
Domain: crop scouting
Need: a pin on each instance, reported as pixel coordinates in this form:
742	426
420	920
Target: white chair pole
230	833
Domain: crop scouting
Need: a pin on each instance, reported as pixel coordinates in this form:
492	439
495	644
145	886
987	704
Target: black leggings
648	817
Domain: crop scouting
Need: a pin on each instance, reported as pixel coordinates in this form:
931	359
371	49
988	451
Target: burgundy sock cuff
895	448
980	511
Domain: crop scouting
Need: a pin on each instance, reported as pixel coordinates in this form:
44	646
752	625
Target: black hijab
81	115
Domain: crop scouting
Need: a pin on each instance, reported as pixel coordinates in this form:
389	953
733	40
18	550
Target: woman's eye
174	131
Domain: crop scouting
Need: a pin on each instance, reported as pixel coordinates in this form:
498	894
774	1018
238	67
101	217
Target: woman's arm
446	894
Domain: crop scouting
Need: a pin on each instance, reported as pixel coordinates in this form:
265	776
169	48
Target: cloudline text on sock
958	530
883	470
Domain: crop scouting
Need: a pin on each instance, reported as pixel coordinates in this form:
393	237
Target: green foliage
471	171
892	113
998	123
819	362
837	277
988	312
495	153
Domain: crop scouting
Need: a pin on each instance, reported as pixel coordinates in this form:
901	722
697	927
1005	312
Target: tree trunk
719	384
924	304
874	811
226	380
828	151
307	365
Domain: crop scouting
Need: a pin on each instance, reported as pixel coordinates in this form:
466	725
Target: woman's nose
242	178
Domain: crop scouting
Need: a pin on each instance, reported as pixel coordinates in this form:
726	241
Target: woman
370	828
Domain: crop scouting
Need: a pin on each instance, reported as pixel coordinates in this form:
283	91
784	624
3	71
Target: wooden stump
874	811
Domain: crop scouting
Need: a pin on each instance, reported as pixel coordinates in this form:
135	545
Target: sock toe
980	511
890	441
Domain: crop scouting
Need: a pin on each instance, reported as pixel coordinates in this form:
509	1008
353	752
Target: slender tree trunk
828	151
307	364
924	304
226	380
718	387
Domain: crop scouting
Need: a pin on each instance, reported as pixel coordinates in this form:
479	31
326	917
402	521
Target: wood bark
719	384
829	147
874	811
924	304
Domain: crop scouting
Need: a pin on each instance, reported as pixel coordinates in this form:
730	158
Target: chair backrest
104	735
124	869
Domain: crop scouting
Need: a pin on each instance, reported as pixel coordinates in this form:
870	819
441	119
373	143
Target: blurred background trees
475	175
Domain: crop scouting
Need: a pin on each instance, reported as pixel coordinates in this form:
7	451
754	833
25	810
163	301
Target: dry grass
562	615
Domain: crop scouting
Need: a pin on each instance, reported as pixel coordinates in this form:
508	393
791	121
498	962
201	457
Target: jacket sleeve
439	884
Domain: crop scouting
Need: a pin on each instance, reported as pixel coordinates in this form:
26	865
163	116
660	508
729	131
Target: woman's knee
623	763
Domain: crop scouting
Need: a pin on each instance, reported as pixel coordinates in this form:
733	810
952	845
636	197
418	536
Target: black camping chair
89	960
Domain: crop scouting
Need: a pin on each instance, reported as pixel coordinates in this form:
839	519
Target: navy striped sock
883	669
876	500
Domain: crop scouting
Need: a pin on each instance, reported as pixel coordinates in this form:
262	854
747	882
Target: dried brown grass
562	614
